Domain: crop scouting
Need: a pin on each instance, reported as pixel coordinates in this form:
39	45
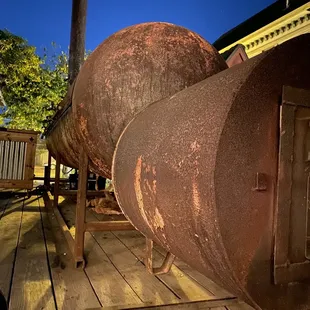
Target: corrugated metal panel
15	167
6	159
12	160
22	160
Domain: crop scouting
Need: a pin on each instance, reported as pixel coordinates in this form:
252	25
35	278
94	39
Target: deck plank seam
46	253
92	287
49	211
91	233
116	269
15	253
190	276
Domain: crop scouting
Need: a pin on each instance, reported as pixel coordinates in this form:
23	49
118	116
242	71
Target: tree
32	86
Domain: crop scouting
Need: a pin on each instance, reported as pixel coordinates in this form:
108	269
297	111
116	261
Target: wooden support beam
23	184
70	192
47	172
61	180
81	210
56	185
108	225
30	159
66	232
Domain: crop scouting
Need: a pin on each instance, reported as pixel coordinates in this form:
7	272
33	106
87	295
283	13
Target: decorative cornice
276	33
291	25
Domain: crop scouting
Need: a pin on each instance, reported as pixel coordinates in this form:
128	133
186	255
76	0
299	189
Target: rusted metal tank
62	137
132	68
198	173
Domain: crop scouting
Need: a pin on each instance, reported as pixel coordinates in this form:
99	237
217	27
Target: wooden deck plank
114	276
181	284
31	287
205	282
9	234
72	287
146	286
99	268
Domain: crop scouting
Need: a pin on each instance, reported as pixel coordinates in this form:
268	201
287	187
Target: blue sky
42	22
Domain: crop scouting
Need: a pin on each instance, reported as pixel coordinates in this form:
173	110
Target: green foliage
32	87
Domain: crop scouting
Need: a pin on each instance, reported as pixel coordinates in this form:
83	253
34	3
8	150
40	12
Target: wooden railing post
57	177
81	210
47	172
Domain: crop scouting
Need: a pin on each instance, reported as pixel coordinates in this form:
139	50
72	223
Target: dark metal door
292	227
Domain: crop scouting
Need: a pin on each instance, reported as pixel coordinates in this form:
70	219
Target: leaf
31	86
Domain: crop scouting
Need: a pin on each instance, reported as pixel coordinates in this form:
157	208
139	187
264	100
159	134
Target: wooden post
81	210
57	177
47	172
77	38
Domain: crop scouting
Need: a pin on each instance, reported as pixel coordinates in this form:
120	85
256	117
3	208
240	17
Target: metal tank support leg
166	265
47	172
81	211
76	243
56	184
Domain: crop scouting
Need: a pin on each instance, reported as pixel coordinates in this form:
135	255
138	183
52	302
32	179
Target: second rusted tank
131	69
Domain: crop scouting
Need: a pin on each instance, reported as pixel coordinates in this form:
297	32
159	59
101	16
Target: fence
17	158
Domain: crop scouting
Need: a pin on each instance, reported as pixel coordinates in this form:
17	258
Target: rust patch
196	199
195	147
158	220
146	182
154	181
154	186
108	83
148	168
138	190
83	124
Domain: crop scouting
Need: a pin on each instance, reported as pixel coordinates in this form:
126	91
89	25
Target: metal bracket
260	182
166	265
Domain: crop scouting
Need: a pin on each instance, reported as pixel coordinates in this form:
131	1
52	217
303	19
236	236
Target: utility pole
77	38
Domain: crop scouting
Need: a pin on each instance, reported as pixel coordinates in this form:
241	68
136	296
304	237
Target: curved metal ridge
56	119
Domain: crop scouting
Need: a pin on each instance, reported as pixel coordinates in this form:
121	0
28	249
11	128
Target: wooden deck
36	271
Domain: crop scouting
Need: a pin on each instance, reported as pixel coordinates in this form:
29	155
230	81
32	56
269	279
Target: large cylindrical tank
132	68
185	174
